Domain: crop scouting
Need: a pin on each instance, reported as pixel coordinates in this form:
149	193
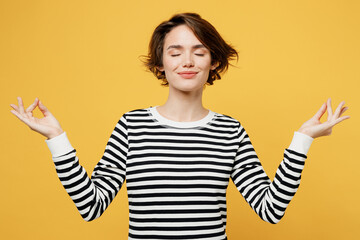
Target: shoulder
231	122
138	111
226	119
131	116
135	112
134	115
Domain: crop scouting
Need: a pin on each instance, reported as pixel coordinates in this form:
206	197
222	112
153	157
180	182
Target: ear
161	69
214	66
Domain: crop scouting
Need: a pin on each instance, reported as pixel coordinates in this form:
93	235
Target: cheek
205	63
170	63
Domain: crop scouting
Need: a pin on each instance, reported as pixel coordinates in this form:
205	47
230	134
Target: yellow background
81	58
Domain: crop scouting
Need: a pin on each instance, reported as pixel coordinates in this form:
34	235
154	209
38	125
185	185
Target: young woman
177	158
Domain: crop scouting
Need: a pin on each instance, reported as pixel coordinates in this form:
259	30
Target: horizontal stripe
177	177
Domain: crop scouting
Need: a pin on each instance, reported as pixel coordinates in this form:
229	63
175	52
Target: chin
187	85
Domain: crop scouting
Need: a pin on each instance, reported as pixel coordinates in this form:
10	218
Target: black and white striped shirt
177	174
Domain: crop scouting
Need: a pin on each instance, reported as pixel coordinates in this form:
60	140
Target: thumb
43	109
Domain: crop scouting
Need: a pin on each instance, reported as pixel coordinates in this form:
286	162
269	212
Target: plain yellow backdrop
81	58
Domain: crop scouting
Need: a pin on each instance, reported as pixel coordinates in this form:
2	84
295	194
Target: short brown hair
221	52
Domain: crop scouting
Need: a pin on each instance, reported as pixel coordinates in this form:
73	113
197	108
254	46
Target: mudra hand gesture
314	128
47	126
50	127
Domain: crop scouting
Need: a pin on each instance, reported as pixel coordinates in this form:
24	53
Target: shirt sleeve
92	195
269	199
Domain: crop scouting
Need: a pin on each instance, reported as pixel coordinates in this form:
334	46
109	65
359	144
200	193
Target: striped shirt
177	174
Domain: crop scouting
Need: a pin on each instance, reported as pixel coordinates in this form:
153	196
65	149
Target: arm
92	196
269	199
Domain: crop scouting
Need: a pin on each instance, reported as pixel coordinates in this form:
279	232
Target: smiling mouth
187	75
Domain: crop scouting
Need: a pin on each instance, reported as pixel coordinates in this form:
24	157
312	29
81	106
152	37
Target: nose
188	61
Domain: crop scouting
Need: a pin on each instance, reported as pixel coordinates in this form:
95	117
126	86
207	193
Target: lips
187	74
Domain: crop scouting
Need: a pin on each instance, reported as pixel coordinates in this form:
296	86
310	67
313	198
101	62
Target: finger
343	110
44	109
321	112
14	107
21	106
20	117
340	119
338	109
329	109
16	114
32	106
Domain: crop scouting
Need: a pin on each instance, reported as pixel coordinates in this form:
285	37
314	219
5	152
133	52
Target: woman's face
186	61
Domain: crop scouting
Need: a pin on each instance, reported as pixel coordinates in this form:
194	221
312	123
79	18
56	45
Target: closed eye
197	54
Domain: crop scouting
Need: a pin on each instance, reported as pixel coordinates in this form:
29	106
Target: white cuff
301	143
59	145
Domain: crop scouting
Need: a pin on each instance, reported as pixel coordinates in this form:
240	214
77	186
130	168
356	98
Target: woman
177	158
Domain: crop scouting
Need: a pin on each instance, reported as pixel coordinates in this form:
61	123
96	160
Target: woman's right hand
47	126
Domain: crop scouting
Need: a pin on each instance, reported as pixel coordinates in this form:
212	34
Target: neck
183	106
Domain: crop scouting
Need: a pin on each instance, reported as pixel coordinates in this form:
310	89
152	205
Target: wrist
303	131
301	142
56	133
59	146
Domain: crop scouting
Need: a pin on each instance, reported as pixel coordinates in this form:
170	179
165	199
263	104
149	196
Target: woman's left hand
314	128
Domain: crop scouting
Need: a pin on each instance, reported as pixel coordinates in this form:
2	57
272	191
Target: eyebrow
180	46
